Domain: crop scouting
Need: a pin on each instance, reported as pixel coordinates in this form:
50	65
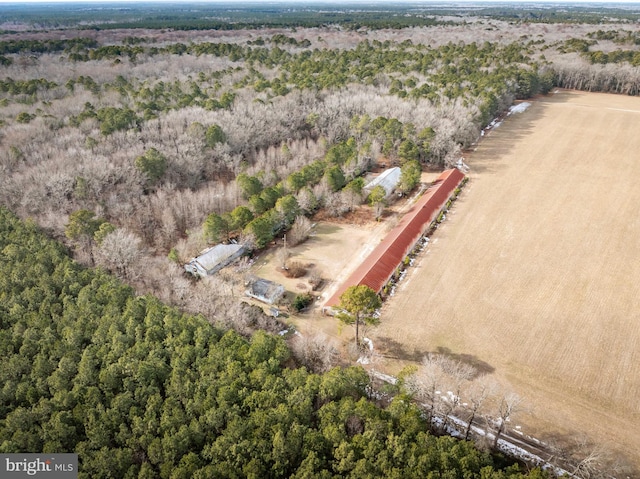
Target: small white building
213	259
388	179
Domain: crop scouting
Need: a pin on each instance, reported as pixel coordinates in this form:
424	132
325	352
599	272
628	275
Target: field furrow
536	271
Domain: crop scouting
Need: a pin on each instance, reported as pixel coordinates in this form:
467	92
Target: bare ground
335	249
535	275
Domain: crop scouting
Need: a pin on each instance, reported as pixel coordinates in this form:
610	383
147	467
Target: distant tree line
222	17
451	70
46	46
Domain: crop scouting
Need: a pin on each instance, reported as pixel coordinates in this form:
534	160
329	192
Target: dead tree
478	393
458	374
509	405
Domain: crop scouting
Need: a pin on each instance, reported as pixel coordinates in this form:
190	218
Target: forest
131	140
140	389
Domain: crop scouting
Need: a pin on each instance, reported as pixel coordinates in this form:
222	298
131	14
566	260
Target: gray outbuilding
265	290
213	259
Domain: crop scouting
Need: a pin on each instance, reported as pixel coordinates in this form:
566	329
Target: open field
536	272
324	254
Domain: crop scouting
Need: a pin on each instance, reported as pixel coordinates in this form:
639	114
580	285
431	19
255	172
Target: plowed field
536	271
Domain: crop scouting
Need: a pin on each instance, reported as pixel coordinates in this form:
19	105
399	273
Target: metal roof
265	290
379	266
388	179
212	257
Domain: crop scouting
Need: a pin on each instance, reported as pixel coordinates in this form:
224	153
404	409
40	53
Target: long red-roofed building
378	268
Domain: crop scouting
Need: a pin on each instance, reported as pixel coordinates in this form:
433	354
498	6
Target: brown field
536	271
321	253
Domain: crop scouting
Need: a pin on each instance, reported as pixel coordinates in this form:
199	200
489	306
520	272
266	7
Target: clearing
535	274
334	250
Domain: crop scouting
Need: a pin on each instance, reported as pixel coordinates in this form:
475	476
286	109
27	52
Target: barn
388	179
378	268
213	259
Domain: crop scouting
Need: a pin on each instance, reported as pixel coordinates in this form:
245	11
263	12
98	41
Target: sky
302	2
333	2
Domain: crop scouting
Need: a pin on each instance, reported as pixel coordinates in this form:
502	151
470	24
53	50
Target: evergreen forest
140	390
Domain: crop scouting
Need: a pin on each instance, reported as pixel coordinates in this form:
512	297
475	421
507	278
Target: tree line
357	16
321	69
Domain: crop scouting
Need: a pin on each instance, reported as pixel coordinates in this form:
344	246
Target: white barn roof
214	258
388	179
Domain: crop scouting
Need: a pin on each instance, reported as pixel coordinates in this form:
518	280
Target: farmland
140	137
534	272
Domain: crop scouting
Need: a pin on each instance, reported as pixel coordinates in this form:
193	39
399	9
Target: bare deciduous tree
316	352
282	255
307	201
189	247
300	230
315	280
429	380
590	460
458	374
336	205
120	252
477	395
509	405
351	198
592	465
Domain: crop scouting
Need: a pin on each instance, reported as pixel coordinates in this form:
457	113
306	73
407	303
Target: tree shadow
390	348
479	365
498	143
393	349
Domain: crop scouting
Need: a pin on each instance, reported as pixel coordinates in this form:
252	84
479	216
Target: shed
265	290
378	268
388	179
213	259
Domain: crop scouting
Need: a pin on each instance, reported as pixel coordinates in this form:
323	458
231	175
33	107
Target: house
265	290
213	259
388	179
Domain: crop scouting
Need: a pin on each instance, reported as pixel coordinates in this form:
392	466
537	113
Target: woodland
140	389
131	141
